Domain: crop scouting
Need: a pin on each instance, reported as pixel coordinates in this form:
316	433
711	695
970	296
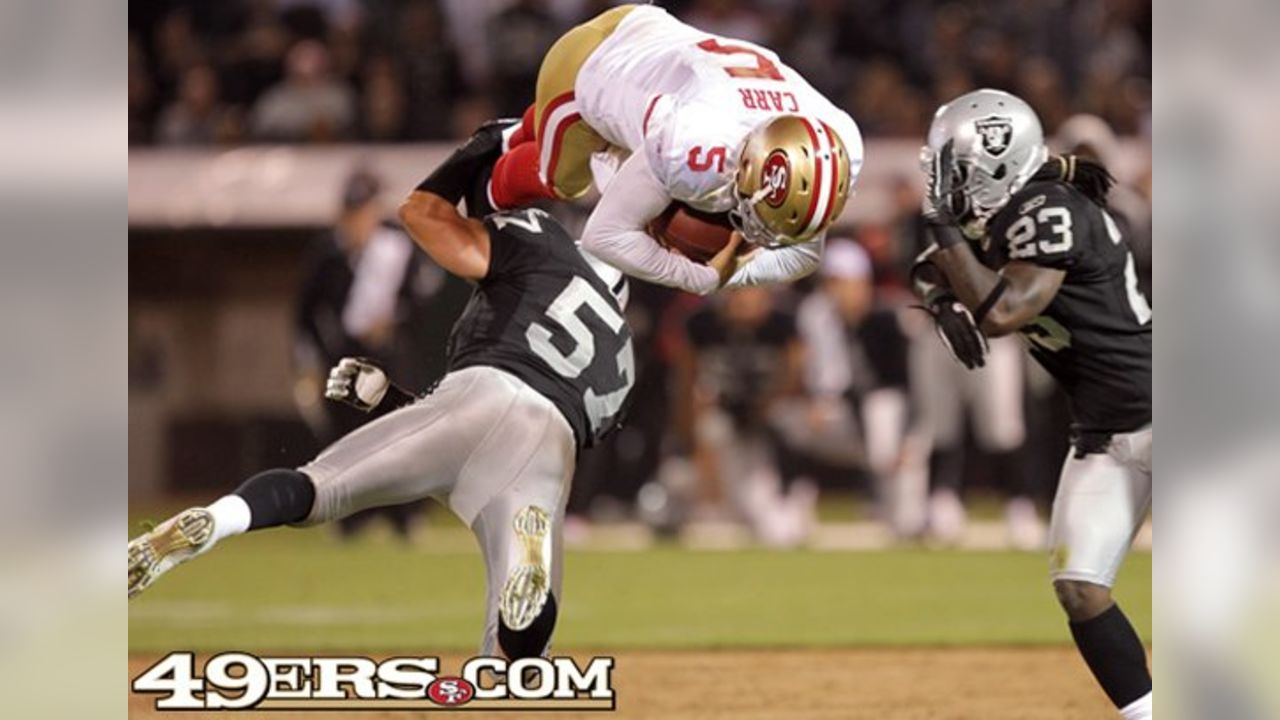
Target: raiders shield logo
996	132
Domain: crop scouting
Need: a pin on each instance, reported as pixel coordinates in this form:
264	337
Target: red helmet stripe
834	180
817	175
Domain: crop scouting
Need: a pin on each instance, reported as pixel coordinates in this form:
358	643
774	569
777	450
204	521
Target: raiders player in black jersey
540	364
1024	243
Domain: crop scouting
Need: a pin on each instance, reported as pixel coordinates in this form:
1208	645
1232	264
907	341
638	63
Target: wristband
989	302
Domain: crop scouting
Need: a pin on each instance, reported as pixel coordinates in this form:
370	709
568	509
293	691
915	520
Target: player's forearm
969	279
615	232
1002	303
640	256
778	265
453	177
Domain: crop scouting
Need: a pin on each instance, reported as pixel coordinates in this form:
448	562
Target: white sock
1139	709
230	517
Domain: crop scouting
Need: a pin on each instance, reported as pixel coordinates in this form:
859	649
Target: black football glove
477	197
937	208
957	330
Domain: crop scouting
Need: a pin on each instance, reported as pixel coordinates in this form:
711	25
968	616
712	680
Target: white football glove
358	383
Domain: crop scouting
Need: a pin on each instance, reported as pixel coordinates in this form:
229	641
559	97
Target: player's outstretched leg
271	498
1109	644
557	165
521	545
1102	499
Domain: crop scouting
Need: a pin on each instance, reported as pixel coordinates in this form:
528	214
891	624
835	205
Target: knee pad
533	640
277	497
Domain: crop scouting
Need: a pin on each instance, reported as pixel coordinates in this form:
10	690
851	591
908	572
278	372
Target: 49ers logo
775	176
451	691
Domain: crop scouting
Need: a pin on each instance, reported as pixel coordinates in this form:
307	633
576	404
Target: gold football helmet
792	181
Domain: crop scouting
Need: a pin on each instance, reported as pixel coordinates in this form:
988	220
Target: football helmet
997	145
792	181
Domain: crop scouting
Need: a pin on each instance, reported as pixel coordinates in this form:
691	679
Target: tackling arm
430	213
460	245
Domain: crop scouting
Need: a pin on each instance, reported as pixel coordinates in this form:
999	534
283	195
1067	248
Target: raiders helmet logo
775	176
996	133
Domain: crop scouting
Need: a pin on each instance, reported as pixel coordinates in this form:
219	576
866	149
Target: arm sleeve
777	265
616	233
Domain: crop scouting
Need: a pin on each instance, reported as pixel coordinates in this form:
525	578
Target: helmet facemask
744	219
975	192
997	145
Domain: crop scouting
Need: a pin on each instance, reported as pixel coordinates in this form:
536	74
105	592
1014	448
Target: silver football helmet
997	145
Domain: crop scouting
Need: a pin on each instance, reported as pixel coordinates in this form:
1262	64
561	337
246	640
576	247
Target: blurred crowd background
749	405
397	70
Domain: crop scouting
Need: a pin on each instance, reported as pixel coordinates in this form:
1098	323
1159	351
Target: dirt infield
933	684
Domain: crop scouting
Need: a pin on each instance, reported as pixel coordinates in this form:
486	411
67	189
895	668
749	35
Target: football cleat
168	545
527	587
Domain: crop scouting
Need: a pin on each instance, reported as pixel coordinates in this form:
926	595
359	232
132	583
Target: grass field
938	616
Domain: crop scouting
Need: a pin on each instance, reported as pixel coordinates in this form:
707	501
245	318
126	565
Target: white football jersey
687	99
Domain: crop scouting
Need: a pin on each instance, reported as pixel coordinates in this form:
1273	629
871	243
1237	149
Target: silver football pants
484	443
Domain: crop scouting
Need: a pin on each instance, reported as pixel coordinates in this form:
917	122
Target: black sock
1114	653
277	497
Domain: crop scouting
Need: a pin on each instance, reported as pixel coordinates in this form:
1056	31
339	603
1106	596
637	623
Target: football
699	235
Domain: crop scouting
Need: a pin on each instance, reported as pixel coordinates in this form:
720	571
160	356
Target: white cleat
168	545
526	590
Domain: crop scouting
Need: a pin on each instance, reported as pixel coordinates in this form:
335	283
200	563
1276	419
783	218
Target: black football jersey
1095	336
542	314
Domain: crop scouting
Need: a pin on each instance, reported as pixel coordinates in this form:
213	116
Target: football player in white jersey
721	125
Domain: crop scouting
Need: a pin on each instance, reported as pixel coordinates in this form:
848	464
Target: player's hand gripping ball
695	234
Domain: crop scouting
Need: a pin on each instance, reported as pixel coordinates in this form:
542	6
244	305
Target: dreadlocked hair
1085	174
